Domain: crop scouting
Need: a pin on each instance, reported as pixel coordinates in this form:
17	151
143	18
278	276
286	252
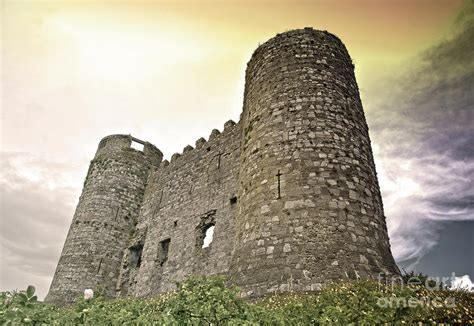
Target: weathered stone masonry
291	191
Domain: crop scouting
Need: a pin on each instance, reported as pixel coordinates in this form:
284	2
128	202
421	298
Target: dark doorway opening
163	251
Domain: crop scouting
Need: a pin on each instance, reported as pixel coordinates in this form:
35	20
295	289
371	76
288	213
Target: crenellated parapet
120	145
202	145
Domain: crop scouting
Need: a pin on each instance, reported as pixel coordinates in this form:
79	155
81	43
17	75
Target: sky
169	72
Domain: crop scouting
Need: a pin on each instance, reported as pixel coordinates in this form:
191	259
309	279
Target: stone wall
291	191
196	190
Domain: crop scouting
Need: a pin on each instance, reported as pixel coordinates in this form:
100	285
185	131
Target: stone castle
290	191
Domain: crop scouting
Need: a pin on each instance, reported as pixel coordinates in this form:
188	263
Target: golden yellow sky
373	30
134	66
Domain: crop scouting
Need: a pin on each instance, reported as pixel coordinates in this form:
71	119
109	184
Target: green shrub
207	301
422	279
367	302
23	308
291	308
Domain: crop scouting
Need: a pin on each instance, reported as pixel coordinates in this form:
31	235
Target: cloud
422	127
36	197
462	283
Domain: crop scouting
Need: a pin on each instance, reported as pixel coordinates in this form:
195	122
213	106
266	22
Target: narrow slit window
163	251
100	264
208	236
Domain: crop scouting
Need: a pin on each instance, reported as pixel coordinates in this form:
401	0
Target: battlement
287	199
203	144
119	144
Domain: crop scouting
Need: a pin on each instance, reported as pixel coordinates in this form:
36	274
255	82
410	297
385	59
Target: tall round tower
104	219
310	208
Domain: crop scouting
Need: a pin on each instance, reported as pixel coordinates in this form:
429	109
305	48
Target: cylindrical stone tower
310	208
104	219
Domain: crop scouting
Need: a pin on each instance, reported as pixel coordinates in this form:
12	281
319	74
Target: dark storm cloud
35	212
423	125
465	202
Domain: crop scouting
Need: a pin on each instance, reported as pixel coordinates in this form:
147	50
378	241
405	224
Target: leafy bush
369	302
23	308
207	301
366	302
424	280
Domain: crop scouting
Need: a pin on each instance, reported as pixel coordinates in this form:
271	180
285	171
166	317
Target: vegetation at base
207	301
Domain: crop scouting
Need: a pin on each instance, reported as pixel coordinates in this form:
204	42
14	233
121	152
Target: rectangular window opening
205	230
136	255
137	146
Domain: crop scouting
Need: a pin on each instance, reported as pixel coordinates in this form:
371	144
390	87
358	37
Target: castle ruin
290	192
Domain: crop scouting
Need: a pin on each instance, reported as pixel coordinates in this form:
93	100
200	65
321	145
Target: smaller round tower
105	218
